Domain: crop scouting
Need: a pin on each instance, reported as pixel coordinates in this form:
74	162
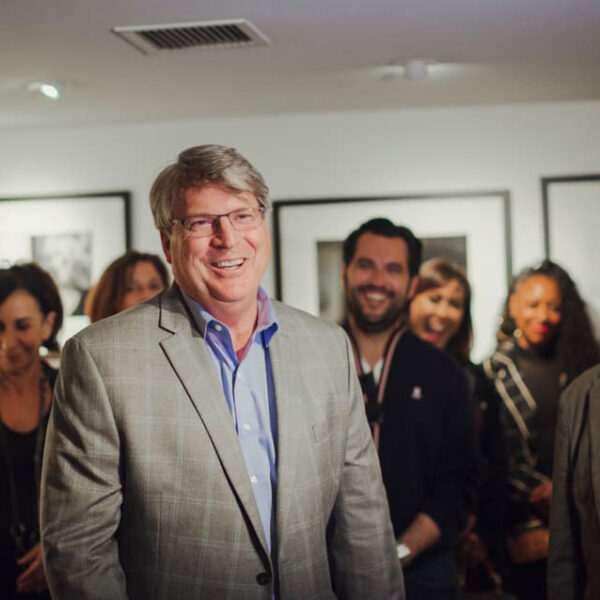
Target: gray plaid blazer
145	493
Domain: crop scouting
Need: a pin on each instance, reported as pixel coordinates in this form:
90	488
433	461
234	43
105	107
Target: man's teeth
236	262
375	296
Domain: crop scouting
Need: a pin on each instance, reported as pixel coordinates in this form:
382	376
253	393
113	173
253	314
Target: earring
507	325
517	333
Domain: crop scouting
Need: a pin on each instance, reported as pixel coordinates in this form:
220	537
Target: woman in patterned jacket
545	341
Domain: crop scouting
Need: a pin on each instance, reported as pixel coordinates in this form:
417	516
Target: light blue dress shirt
250	395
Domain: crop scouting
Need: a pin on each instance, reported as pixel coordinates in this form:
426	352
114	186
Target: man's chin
379	324
373	322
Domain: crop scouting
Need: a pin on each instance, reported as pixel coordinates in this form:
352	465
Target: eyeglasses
244	219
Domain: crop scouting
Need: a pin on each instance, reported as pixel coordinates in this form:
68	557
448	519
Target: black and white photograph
68	258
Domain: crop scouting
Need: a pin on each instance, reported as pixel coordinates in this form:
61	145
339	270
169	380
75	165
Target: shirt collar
266	322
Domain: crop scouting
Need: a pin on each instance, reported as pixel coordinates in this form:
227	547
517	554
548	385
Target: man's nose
378	277
224	231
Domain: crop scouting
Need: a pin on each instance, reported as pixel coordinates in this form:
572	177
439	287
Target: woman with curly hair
545	341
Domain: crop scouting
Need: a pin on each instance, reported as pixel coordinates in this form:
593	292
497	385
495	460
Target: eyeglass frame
261	210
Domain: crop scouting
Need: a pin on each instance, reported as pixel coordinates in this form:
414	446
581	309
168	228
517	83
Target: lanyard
373	391
17	524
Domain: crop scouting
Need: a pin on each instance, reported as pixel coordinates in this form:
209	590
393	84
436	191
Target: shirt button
254	479
246	427
218	327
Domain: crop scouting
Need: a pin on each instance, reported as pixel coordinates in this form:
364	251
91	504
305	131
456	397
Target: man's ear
165	242
412	286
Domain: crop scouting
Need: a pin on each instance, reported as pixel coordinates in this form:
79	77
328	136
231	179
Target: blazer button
263	579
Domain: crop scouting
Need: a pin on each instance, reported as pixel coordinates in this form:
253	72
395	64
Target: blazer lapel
594	427
289	421
194	367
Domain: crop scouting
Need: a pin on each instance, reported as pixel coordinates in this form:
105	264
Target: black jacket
428	440
574	557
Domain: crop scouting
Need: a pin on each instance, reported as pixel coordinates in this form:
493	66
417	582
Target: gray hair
202	165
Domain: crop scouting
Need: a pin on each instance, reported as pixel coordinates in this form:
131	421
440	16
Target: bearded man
417	403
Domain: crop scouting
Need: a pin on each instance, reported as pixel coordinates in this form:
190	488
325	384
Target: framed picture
471	228
74	237
571	206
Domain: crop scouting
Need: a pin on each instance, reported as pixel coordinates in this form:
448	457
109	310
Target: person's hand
469	526
541	493
471	550
540	497
33	578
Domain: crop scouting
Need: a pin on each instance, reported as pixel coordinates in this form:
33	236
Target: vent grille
205	35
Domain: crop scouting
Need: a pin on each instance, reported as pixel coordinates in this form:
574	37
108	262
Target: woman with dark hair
545	341
440	309
440	312
30	316
127	281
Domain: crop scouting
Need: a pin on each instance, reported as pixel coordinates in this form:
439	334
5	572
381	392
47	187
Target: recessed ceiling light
47	89
415	69
410	69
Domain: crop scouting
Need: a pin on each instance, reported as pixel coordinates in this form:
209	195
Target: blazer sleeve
81	486
362	549
566	572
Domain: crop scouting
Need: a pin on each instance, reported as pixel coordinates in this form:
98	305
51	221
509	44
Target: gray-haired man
211	443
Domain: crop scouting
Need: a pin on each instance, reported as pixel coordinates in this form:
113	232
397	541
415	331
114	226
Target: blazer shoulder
123	325
576	393
296	320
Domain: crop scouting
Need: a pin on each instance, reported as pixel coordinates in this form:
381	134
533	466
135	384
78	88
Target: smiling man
417	405
211	443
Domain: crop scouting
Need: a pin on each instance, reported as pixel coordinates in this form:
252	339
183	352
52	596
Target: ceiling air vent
200	34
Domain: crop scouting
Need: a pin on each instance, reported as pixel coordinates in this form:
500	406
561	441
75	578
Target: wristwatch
404	553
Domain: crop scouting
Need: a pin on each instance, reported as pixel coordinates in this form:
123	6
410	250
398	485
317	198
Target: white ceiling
325	55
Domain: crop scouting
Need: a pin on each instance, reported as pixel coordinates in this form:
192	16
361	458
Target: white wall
328	155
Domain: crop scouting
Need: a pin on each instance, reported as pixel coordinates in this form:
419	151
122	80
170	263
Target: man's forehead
382	248
214	194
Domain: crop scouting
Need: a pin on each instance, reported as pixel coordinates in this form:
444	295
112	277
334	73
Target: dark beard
388	319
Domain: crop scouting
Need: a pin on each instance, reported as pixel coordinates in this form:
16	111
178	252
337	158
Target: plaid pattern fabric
145	491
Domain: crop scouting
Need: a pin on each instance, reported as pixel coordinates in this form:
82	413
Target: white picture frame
571	208
73	236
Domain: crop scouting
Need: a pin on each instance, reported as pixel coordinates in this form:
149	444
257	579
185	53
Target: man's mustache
376	288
